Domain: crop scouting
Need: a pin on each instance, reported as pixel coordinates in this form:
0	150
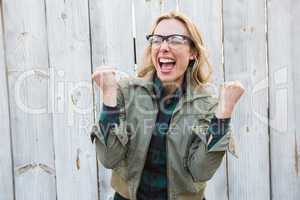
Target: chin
167	79
164	77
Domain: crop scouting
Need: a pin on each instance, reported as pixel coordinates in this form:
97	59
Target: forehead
170	26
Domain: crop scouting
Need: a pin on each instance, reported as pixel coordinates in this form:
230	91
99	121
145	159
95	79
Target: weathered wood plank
245	60
145	14
31	124
168	5
284	41
71	95
112	44
295	32
208	17
112	41
6	168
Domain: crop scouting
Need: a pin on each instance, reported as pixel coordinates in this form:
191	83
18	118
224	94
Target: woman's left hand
229	94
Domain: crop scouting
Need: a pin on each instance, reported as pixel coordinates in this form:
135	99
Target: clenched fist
104	76
229	94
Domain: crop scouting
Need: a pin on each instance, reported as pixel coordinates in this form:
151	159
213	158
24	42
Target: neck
171	87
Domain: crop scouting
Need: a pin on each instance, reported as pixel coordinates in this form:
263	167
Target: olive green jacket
189	163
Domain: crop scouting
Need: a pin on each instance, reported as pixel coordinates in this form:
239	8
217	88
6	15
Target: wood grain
31	123
71	94
283	48
6	156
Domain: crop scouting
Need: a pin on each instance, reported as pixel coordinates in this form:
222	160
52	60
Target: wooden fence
48	49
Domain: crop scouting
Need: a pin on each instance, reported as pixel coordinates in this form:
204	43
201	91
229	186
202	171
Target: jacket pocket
199	163
197	136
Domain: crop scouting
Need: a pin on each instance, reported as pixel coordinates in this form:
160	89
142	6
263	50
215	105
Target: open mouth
166	64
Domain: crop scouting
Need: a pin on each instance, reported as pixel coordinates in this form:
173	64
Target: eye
176	39
154	39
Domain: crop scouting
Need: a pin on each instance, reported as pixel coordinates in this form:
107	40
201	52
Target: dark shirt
154	182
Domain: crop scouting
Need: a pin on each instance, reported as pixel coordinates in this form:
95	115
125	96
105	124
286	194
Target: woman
162	133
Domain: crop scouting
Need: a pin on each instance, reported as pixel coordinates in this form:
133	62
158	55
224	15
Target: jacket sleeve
209	141
107	120
110	135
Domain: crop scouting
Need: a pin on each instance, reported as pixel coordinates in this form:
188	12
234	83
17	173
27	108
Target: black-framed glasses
173	40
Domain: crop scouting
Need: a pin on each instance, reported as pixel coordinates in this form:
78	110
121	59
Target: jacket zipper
168	173
167	133
145	157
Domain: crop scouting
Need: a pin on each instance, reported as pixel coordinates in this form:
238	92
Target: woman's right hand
104	76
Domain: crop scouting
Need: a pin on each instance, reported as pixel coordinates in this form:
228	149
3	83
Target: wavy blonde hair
200	75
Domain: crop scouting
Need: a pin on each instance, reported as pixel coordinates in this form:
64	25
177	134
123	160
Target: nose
164	46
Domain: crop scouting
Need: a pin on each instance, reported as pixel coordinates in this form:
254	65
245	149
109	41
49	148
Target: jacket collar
159	89
191	91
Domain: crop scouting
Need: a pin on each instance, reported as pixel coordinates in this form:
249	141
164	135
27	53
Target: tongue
167	67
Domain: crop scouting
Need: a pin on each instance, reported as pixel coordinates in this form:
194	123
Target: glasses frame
166	37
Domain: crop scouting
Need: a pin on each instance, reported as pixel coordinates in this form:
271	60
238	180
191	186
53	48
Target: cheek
184	61
153	56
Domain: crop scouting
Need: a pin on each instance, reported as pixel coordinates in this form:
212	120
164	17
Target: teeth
166	60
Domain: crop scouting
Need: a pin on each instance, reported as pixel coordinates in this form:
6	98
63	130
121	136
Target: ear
193	54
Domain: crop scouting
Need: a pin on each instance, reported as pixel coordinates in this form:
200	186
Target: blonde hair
199	75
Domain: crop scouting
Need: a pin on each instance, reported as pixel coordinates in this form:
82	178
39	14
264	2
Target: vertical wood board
6	168
31	123
71	98
283	47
